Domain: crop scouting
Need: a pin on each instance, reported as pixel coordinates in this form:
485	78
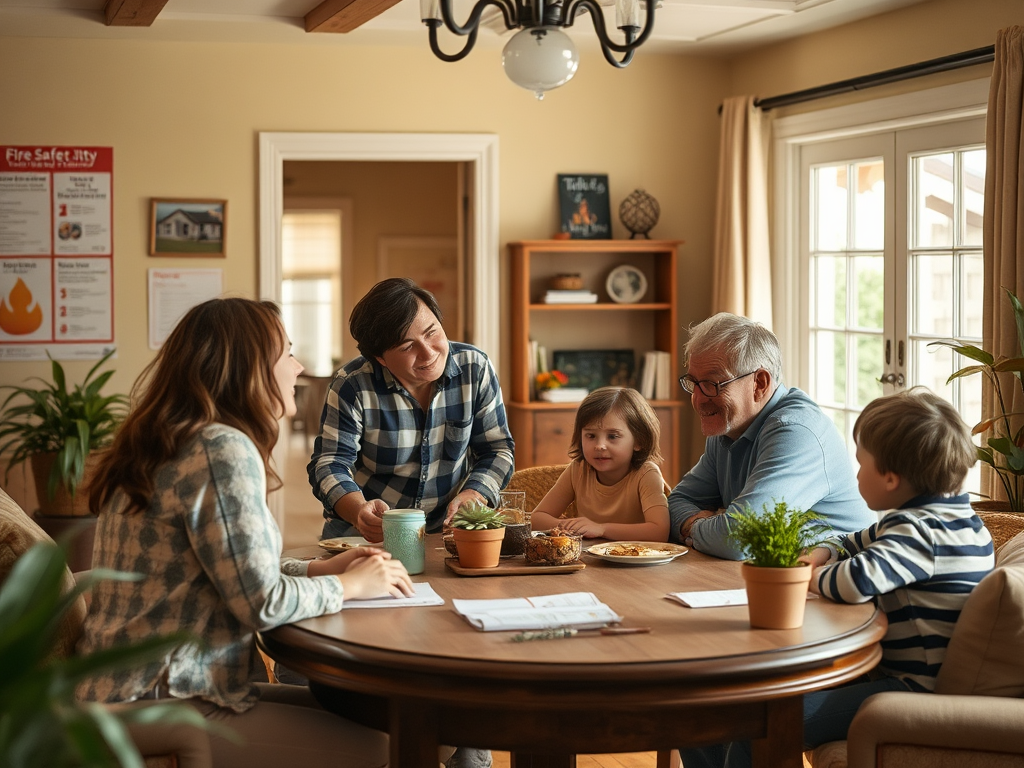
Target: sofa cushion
18	532
984	656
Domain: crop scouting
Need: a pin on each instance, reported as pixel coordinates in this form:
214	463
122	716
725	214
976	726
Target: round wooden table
701	676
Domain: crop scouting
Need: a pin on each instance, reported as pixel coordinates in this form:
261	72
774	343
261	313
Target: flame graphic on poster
16	319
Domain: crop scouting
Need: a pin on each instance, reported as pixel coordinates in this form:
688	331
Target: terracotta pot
776	597
479	549
62	504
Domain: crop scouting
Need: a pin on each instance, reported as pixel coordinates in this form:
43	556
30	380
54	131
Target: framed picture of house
187	227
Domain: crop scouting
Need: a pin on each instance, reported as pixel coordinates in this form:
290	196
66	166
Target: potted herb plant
41	722
1004	449
478	531
776	580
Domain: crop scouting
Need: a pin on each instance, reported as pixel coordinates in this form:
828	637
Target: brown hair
640	418
380	320
920	437
217	366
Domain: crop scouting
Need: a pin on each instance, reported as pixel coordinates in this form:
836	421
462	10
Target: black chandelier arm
433	24
570	9
473	22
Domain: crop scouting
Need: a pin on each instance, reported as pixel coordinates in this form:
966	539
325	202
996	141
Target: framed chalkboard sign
593	368
583	201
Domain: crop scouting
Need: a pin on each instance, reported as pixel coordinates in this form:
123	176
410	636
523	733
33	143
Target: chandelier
540	56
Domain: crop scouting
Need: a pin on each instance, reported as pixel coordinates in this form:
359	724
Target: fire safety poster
56	252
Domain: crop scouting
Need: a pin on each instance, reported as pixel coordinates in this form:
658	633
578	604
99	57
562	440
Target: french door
890	243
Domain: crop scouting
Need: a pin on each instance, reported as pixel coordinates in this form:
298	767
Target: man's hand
458	501
369	519
684	529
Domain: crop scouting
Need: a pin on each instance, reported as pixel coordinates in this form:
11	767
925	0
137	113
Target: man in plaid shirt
415	422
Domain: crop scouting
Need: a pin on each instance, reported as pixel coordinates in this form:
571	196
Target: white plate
626	284
662	552
343	543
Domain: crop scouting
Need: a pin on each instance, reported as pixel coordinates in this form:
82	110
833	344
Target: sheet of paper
714	598
581	610
425	595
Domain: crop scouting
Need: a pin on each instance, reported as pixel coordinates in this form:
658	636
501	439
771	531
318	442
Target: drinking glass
513	505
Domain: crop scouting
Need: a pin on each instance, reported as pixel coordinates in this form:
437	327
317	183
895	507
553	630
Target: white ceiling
687	26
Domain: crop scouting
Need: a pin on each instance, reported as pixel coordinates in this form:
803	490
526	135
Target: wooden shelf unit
542	430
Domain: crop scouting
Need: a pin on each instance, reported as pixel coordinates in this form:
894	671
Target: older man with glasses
765	442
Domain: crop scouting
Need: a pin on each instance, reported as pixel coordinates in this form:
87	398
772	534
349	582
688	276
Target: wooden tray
512	568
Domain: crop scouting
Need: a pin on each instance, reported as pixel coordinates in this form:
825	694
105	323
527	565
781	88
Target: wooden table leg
782	746
413	734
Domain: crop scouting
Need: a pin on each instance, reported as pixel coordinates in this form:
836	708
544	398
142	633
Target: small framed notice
585	210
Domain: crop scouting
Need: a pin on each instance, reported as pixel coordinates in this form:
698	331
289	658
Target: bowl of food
554	547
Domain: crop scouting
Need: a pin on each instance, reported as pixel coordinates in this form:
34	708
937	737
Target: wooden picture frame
187	227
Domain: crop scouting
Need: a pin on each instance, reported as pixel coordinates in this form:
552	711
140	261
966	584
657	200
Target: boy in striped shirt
918	563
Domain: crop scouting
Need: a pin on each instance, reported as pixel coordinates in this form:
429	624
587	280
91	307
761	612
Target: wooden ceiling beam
132	13
344	15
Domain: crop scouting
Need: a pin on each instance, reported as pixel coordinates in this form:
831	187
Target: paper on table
425	595
714	598
581	610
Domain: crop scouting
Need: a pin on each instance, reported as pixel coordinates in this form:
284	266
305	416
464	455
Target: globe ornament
639	213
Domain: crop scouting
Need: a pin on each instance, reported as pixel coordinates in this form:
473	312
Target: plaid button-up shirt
375	438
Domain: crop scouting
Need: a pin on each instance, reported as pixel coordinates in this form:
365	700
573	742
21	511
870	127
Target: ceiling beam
132	13
344	15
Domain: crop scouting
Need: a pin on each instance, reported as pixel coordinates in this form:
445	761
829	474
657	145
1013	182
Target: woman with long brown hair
181	499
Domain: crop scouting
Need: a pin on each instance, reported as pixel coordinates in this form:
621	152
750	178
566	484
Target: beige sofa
975	718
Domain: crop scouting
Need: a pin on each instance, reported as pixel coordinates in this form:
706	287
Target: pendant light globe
540	58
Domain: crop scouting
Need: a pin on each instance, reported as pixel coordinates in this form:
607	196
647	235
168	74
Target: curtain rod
930	67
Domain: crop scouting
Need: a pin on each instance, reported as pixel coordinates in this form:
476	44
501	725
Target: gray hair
746	345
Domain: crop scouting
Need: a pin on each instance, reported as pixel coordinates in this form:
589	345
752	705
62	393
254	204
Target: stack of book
570	297
655	379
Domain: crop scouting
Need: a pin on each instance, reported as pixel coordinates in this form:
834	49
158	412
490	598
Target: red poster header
100	159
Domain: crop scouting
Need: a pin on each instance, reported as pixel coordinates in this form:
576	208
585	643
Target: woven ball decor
639	213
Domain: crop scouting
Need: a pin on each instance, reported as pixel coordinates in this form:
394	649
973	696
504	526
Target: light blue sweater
791	452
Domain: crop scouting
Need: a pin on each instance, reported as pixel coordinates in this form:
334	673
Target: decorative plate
637	552
626	284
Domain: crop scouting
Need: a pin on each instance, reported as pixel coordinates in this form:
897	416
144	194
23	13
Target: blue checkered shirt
375	438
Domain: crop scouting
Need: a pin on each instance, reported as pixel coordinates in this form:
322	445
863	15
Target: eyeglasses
710	388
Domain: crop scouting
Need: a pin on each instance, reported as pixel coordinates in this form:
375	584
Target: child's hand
343	561
583	526
816	557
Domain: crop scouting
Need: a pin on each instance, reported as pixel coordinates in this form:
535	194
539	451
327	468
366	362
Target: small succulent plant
477	516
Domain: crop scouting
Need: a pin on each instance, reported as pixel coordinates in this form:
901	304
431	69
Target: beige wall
183	121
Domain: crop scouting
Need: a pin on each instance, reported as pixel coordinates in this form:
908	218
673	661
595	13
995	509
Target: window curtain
742	281
1003	227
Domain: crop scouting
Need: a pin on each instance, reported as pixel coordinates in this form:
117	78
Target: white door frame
480	150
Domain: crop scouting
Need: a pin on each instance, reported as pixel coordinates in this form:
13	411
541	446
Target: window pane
830	367
830	221
869	284
931	367
933	207
869	368
838	418
869	206
933	283
971	292
973	188
830	293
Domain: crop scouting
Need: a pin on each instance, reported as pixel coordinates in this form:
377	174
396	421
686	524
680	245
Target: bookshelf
542	430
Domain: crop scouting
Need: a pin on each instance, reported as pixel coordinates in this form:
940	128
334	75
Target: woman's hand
583	526
339	563
375	576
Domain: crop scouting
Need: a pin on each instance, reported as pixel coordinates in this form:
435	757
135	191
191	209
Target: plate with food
637	552
343	543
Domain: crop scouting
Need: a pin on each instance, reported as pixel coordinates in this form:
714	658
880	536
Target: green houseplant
41	722
1004	449
478	531
776	580
57	429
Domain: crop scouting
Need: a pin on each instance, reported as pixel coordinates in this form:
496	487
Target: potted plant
776	580
1004	449
478	531
41	722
